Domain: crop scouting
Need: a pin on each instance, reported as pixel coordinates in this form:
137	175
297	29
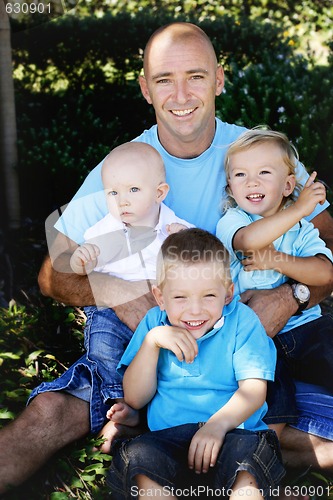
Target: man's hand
205	446
274	307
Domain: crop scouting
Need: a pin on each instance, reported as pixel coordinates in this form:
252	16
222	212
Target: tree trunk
8	147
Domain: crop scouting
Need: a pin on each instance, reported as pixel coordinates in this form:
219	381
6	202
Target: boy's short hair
193	246
262	135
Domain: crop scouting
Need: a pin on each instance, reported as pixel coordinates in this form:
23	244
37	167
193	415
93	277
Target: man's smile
182	112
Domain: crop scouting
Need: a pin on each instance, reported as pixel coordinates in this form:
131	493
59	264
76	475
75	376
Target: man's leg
51	421
300	449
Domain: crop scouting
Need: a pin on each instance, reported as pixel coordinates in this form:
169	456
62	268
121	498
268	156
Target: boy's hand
205	447
313	193
84	259
178	340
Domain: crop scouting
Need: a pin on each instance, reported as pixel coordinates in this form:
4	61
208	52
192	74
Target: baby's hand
313	193
175	339
84	259
175	227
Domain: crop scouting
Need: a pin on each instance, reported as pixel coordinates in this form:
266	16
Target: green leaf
59	496
9	355
6	414
76	483
94	467
34	355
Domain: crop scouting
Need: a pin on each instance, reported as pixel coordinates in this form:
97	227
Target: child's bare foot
121	413
113	430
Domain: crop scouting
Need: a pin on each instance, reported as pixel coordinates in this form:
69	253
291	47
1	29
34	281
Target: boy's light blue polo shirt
302	240
236	349
197	186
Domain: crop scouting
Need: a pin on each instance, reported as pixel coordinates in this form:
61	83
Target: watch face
302	291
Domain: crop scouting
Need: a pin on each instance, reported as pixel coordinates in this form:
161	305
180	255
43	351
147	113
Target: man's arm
130	300
275	307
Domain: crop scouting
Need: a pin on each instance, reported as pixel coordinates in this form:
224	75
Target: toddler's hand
313	193
175	227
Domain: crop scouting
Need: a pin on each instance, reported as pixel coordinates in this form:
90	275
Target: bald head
177	33
138	154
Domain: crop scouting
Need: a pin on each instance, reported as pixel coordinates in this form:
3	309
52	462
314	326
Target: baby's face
132	190
259	179
194	296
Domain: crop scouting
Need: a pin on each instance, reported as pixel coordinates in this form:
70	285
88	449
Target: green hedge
71	111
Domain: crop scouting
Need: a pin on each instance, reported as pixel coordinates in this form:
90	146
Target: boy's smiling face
193	296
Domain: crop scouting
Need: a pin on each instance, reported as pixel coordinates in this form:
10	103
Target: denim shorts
315	407
162	456
304	353
94	377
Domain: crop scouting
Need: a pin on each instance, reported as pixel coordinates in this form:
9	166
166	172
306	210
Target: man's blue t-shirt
197	186
236	349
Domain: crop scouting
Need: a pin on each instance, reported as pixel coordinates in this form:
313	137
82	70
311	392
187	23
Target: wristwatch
301	294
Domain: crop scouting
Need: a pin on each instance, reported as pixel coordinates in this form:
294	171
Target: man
181	79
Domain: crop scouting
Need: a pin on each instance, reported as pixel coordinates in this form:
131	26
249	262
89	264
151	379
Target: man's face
181	81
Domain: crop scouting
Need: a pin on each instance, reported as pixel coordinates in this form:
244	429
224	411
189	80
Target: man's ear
230	294
162	191
289	185
144	89
156	291
219	80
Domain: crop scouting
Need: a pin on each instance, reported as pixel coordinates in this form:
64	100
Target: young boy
125	243
269	242
200	361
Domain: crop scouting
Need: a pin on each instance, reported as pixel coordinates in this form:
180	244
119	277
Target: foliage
74	99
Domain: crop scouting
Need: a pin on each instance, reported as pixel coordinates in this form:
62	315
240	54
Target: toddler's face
132	191
194	296
259	179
